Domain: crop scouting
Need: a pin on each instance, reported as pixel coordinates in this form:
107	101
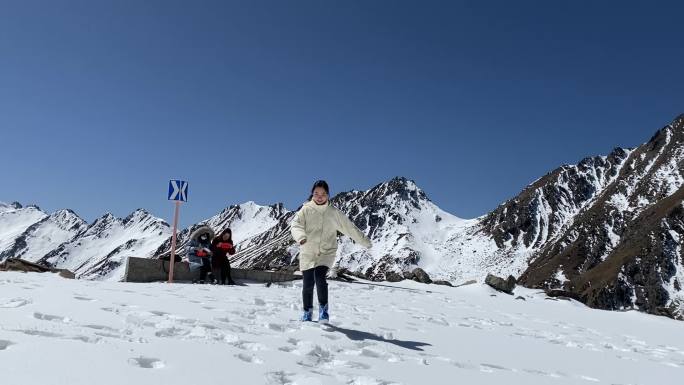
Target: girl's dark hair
322	184
227	230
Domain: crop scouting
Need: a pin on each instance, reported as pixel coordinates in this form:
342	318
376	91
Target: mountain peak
68	220
397	192
138	213
106	217
679	120
64	212
141	215
400	180
404	188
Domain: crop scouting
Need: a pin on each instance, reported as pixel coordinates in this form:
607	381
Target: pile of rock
16	264
417	274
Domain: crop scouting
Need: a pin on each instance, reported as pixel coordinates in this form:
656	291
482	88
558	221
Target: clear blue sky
102	102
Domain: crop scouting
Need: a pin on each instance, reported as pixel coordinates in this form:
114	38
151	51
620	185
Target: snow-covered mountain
40	237
408	230
64	240
100	251
606	230
14	221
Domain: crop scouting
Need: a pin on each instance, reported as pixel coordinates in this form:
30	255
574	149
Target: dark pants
315	276
222	273
206	268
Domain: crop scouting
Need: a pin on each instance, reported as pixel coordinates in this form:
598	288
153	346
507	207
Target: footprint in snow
185	321
247	345
48	317
277	327
40	333
102	328
489	368
4	344
317	357
14	303
86	339
367	381
278	378
252	359
171	332
541	373
438	321
159	313
287	349
587	378
80	298
146	362
259	302
458	364
235	328
357	365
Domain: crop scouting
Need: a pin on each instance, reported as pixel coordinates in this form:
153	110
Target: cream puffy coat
319	224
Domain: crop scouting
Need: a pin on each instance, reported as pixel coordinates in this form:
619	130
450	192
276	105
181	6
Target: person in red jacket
221	247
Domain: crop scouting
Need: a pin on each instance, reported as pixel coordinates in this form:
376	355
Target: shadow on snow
357	335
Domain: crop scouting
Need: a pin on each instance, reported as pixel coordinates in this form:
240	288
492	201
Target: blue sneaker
323	316
307	315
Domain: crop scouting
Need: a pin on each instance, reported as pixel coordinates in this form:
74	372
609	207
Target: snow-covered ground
58	331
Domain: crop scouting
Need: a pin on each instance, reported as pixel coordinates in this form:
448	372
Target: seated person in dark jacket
221	247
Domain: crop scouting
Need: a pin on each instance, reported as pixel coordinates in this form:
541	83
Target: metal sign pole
173	242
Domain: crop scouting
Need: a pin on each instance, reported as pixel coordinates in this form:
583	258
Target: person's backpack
167	258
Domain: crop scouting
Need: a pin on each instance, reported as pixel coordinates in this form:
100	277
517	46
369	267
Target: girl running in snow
315	228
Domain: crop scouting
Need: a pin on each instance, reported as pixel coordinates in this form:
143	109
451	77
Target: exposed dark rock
500	284
64	273
557	293
392	276
16	264
421	276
